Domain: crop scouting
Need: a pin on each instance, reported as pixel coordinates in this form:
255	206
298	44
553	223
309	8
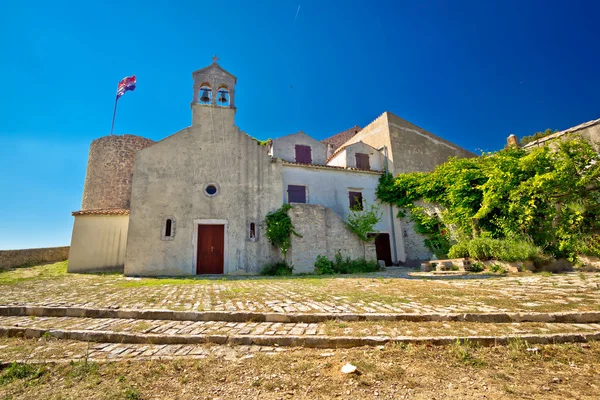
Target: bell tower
213	87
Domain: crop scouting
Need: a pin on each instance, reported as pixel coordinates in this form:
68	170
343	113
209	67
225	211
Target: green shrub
277	269
362	220
477	267
497	269
323	266
343	265
483	248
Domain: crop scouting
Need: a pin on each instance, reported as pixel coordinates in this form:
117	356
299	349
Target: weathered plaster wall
98	243
376	135
169	180
415	149
414	244
330	187
16	258
375	157
109	171
323	233
284	148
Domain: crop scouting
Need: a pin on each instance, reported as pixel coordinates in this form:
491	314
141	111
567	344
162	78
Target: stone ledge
84	312
292	341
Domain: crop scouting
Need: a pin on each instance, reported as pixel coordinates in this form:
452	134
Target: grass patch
40	272
20	371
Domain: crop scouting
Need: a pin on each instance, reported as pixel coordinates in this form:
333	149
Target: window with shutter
303	154
296	194
356	201
362	161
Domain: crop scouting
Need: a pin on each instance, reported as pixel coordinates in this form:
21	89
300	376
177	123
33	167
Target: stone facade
212	173
322	232
410	148
109	171
170	179
16	258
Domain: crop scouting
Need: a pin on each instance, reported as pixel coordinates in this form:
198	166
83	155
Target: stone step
144	314
287	334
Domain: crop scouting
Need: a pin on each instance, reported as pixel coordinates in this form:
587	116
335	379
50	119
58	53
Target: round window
211	189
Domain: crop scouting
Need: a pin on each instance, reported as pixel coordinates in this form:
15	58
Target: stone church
194	202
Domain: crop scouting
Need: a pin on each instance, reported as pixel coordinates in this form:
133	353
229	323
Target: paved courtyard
393	291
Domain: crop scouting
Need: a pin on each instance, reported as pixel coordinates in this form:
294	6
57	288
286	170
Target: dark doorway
382	247
211	244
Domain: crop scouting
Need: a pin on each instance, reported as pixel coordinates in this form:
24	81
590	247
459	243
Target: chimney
513	140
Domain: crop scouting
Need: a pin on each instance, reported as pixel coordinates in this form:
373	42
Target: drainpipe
385	154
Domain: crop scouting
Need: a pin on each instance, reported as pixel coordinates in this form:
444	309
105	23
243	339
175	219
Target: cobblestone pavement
58	350
392	291
332	328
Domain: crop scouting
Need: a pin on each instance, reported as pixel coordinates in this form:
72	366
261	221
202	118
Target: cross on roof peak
215	58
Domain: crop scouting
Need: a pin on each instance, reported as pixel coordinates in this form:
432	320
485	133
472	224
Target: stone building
194	202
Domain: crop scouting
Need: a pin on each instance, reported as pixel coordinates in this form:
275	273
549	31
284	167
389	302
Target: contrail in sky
297	11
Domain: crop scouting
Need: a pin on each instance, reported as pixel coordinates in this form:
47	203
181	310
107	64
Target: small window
211	189
356	200
296	194
252	231
168	229
362	161
303	154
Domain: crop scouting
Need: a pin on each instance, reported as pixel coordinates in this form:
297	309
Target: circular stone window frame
218	189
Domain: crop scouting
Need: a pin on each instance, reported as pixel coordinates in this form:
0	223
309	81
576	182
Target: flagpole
114	115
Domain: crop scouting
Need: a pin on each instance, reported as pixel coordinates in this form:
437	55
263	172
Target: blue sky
470	71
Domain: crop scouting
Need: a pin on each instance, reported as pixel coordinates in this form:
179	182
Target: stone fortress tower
100	227
109	171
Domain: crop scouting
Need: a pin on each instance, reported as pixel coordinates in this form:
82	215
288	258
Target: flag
127	83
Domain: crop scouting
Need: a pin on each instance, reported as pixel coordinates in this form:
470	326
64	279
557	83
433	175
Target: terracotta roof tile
342	137
102	211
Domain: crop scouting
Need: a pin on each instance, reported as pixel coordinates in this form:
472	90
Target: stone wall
15	258
323	233
110	170
170	180
589	131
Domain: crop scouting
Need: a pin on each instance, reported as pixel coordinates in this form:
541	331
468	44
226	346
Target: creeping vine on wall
549	196
279	229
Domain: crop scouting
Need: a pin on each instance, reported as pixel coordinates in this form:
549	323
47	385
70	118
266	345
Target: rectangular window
303	154
362	161
356	201
296	194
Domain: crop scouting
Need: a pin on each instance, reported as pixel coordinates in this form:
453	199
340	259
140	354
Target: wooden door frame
223	222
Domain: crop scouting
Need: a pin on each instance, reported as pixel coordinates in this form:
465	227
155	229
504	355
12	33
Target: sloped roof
339	139
102	211
215	65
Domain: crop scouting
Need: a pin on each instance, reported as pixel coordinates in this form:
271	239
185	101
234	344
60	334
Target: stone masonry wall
323	233
15	258
109	171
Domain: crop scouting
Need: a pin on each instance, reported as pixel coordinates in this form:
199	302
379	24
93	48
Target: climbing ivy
549	196
279	229
362	220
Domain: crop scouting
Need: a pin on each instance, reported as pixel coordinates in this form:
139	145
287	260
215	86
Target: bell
222	99
204	97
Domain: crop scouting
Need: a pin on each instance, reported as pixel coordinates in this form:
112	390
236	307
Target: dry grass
417	372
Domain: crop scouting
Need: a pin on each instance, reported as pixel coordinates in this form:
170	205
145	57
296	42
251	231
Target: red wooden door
211	246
